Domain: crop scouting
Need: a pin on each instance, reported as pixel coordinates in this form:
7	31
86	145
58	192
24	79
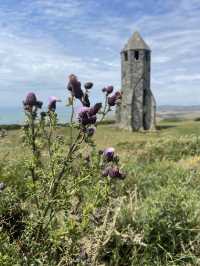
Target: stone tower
138	107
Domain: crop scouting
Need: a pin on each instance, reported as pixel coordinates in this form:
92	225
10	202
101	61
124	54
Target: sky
43	41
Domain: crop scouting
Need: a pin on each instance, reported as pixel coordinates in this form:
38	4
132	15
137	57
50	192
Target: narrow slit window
126	56
136	55
147	56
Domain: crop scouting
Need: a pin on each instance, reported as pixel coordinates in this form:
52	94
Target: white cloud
160	59
40	66
191	77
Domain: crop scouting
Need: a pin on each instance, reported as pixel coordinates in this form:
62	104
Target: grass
159	218
109	135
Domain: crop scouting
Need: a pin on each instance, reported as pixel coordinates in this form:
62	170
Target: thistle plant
68	180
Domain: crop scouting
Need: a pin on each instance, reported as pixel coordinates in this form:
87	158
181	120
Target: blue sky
42	41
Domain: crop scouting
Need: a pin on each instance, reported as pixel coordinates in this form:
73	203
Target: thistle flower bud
109	154
108	90
95	109
88	85
90	131
52	103
74	86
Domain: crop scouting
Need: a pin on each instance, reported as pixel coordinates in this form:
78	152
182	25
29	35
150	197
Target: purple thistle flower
52	103
109	154
112	100
31	101
113	172
85	118
74	86
88	85
95	109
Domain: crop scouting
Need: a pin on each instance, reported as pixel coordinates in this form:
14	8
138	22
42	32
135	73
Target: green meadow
156	208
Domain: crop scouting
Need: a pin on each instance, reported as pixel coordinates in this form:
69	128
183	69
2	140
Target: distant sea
15	115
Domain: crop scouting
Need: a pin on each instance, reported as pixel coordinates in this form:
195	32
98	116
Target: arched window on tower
136	55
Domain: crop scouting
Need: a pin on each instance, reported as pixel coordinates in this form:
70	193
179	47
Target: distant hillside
175	111
168	108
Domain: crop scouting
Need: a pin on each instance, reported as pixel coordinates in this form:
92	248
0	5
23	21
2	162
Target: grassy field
158	222
109	135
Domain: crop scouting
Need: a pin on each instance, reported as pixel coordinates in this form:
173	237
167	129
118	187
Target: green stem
106	110
71	122
35	155
57	180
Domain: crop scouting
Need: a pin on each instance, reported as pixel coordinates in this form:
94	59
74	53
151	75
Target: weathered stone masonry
137	111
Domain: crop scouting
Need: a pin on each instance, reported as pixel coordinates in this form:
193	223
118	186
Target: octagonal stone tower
138	107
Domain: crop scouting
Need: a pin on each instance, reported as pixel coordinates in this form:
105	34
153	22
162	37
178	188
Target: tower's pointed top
136	43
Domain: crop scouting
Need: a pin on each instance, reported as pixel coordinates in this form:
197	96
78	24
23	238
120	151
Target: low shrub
10	127
172	149
169	221
161	230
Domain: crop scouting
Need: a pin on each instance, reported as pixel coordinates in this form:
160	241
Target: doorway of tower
145	109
